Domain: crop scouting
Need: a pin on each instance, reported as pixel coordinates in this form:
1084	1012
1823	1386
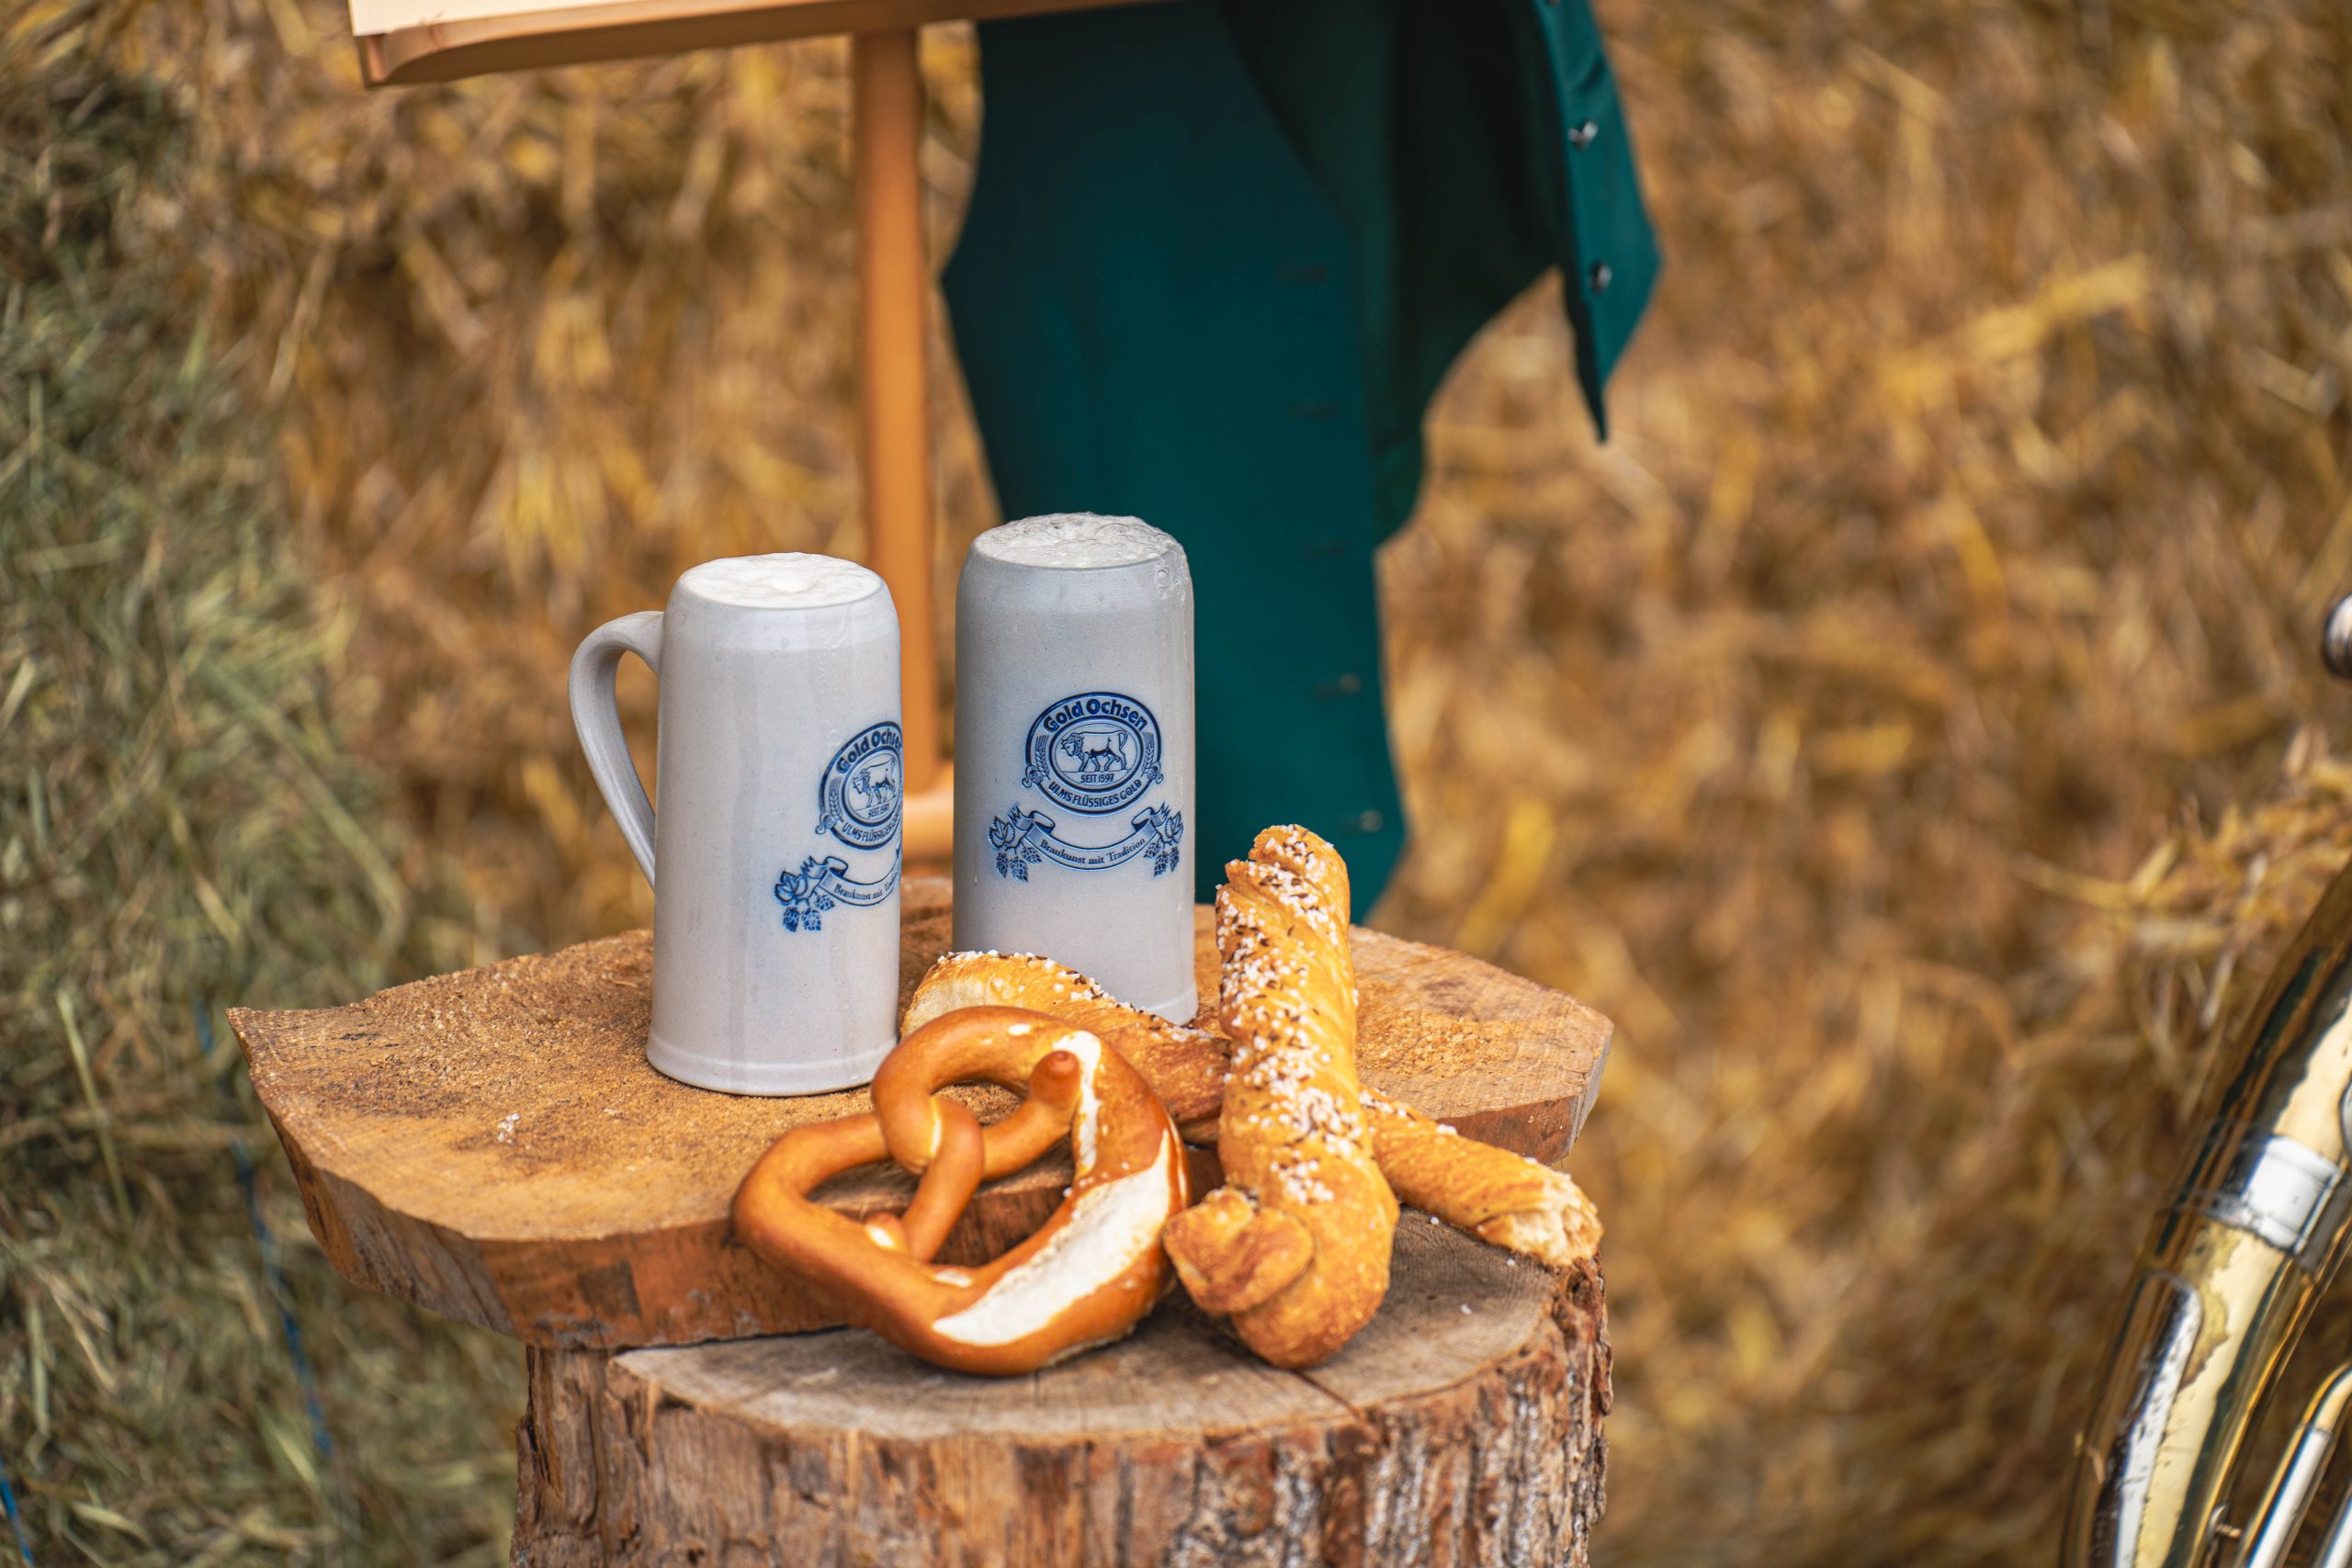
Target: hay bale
181	826
536	344
1861	727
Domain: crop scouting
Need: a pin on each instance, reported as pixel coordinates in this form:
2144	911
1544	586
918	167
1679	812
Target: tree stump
493	1146
1462	1426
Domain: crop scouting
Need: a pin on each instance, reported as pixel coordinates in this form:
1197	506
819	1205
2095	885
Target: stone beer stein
779	762
1074	750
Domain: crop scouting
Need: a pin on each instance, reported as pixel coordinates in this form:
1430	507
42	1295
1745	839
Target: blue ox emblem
858	803
857	797
1094	752
875	788
1096	758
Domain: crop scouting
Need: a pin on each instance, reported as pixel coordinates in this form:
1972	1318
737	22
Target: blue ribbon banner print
1024	838
819	884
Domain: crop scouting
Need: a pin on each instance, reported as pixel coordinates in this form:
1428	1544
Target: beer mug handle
597	716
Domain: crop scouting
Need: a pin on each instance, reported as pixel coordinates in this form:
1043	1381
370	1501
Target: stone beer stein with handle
775	855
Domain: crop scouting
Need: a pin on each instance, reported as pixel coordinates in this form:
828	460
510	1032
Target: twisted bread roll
1293	1247
1500	1197
1186	1066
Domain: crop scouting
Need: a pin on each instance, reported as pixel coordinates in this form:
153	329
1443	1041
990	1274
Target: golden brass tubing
2298	1476
2254	1230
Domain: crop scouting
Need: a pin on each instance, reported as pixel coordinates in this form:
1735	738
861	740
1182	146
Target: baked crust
1500	1197
1185	1067
1291	1137
1083	1279
1494	1194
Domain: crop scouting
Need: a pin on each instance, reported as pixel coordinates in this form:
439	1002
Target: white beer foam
788	581
1074	540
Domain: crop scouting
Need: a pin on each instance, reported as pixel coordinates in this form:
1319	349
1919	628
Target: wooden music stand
405	42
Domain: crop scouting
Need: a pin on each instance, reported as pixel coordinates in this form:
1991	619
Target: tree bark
1462	1426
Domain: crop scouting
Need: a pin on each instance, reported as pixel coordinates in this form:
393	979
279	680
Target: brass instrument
2254	1232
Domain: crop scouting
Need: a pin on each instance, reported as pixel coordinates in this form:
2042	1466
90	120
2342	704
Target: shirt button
1369	822
1581	136
1347	686
1600	277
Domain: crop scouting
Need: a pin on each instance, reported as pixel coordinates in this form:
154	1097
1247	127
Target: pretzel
1084	1278
1500	1197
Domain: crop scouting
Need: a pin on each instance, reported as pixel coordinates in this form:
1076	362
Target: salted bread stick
1293	1247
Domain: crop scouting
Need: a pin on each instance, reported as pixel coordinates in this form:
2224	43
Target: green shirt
1217	262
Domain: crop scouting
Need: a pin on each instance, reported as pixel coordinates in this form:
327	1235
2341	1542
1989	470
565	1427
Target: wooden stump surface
1462	1426
493	1146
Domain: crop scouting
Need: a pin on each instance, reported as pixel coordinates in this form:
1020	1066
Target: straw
180	819
1908	728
